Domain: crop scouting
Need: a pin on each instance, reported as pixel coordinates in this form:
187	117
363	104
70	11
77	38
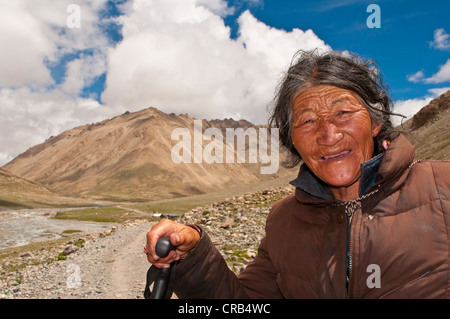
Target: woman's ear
376	128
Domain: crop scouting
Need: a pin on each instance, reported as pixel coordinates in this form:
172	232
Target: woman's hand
182	237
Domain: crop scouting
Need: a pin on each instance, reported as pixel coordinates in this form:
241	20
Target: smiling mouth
336	156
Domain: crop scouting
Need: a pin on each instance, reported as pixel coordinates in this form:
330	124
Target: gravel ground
112	264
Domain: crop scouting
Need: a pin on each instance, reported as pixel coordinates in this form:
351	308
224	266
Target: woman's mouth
336	156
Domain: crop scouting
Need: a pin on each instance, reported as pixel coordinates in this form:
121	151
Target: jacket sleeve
205	274
260	278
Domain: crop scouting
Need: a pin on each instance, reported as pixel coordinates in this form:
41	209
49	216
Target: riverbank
22	227
111	264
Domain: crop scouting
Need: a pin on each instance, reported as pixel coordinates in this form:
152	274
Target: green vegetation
79	242
432	140
180	205
61	256
71	231
240	254
97	214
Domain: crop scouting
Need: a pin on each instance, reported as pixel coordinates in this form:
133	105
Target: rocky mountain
19	193
131	157
429	129
145	155
431	112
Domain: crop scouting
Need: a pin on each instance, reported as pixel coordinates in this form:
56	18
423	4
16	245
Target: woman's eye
343	113
308	122
303	124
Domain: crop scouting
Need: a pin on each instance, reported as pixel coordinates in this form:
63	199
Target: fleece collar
309	183
380	169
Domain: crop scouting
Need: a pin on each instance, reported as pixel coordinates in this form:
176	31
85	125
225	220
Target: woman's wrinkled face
332	131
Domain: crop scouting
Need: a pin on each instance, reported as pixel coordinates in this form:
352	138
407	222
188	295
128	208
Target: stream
25	226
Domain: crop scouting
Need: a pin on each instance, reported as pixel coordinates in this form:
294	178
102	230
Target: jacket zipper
350	209
349	254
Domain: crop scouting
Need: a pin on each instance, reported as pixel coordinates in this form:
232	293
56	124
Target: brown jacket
398	241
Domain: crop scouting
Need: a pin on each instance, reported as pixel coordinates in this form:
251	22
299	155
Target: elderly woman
365	221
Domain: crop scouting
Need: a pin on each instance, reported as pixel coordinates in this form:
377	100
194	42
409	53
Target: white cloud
275	47
28	118
441	40
443	75
179	57
24	46
35	31
176	55
411	106
438	91
35	35
82	72
416	77
219	7
408	108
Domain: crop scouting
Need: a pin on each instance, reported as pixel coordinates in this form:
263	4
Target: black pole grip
162	249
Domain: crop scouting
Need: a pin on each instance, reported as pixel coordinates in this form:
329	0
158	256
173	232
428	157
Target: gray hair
340	69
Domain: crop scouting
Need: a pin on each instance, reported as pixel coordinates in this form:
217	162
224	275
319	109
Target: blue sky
207	58
401	46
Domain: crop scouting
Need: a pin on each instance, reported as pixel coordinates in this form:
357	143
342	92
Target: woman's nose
328	134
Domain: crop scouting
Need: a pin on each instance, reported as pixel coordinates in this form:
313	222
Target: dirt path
109	266
112	264
127	267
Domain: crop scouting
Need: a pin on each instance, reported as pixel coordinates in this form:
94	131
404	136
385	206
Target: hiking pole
162	249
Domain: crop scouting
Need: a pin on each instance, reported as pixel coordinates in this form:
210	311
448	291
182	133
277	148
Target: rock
235	228
227	223
70	249
105	233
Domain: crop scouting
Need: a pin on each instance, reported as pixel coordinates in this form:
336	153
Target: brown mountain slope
129	158
429	129
431	112
18	193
